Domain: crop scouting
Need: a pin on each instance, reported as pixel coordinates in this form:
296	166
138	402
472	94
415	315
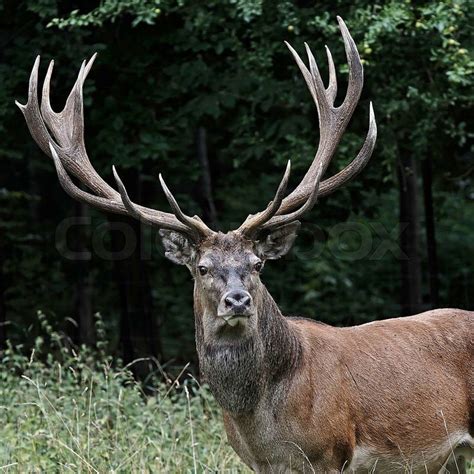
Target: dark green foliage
166	68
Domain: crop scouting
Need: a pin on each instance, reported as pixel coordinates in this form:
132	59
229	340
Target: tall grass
74	411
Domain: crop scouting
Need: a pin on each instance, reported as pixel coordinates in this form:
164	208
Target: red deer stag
389	396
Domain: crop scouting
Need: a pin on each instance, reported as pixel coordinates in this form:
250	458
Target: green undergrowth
65	409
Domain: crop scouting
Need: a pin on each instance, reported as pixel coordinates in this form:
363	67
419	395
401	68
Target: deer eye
202	269
258	266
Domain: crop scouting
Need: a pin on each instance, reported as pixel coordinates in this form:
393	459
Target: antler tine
355	166
31	111
322	99
278	221
253	222
356	70
127	202
310	82
65	145
140	213
332	87
196	225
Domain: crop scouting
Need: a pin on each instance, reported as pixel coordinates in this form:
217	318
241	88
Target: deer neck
241	372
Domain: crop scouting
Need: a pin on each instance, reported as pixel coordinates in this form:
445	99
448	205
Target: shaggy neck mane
241	371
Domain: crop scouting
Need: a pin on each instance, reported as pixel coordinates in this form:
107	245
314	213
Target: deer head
226	267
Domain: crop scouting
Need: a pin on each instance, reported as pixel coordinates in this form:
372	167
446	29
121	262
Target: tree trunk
83	286
205	195
139	331
3	312
411	298
139	334
427	174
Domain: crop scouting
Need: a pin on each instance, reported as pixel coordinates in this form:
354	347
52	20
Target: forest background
207	94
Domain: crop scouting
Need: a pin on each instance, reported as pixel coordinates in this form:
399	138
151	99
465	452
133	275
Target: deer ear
178	248
278	242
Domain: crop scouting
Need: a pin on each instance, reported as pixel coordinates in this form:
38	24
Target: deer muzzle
235	305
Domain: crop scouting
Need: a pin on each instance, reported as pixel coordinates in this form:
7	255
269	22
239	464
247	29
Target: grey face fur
235	343
226	269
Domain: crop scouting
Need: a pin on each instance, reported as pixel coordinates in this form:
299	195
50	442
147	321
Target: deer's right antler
66	146
332	125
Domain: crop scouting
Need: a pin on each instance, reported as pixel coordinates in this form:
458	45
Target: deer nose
237	301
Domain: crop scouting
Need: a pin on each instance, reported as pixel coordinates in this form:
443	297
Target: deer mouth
236	319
